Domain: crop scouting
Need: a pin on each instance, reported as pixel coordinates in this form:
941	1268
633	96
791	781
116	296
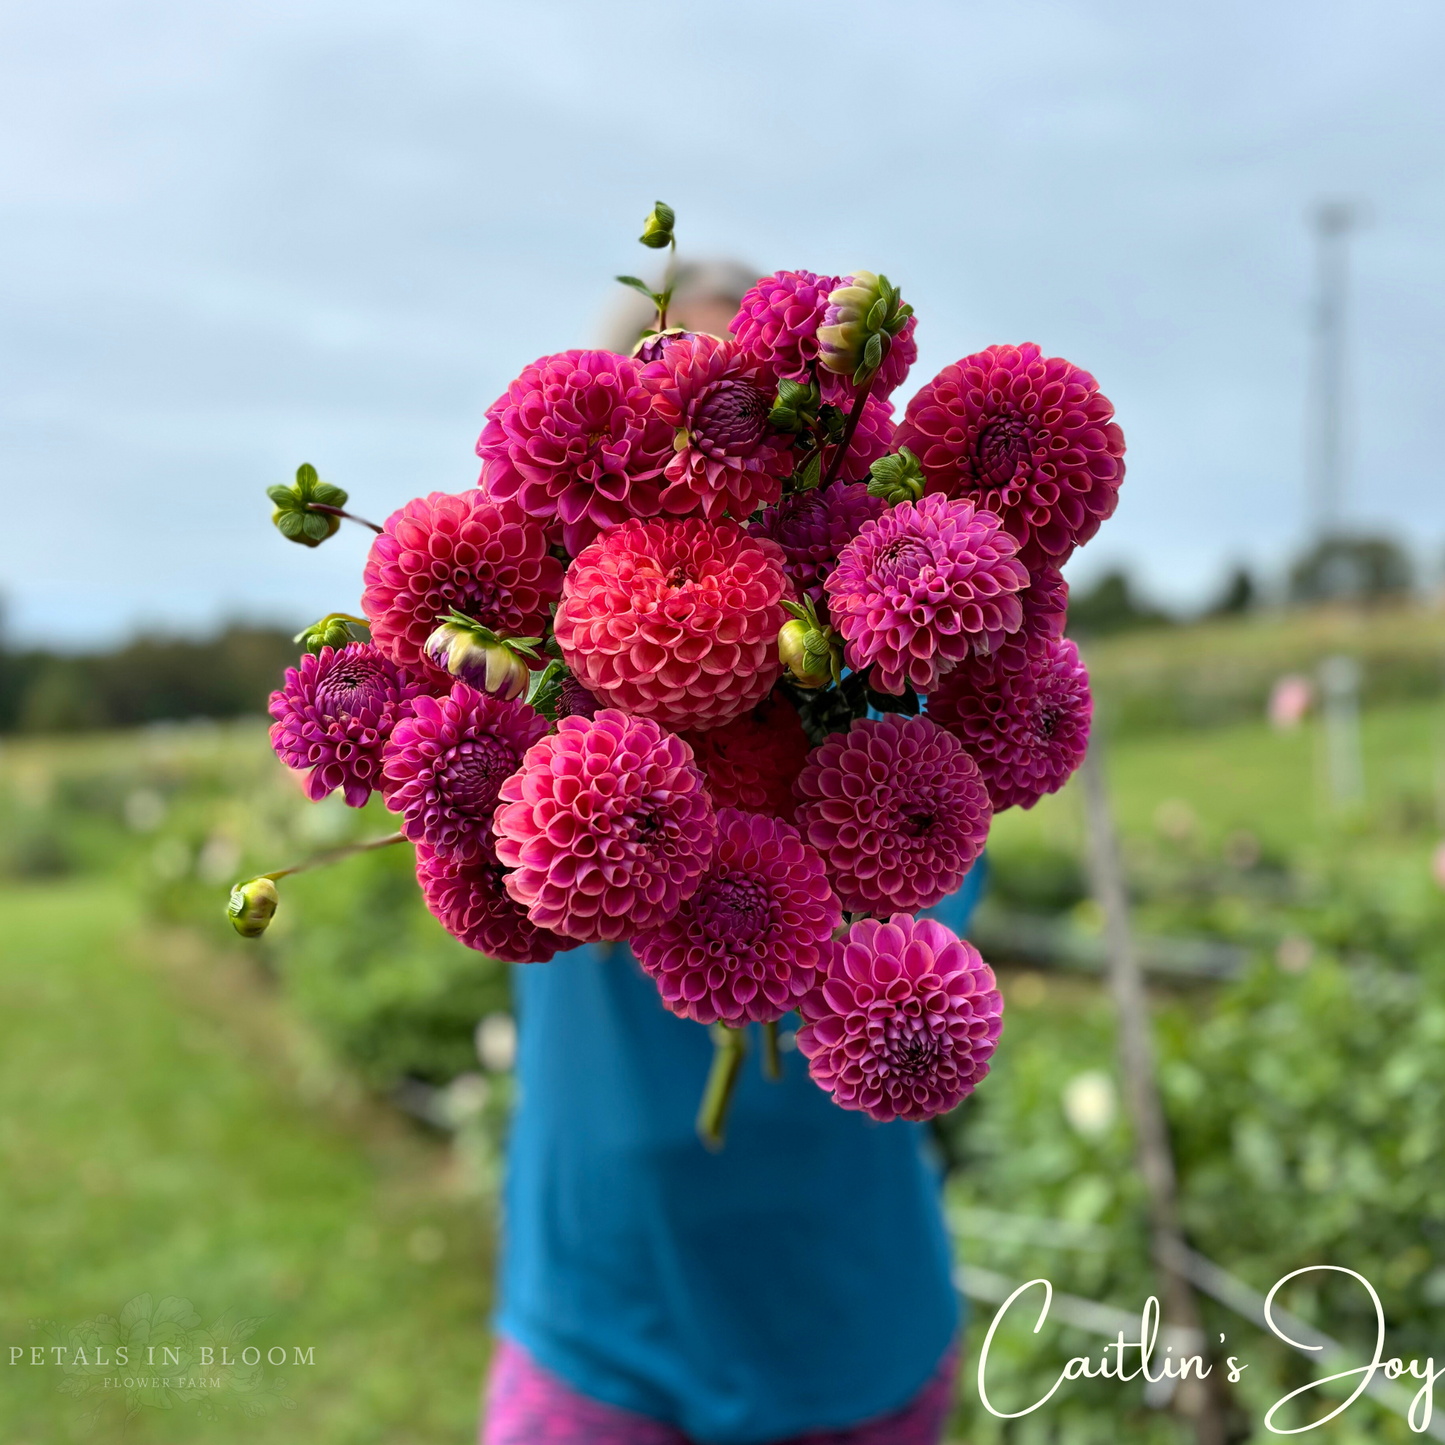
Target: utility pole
1333	221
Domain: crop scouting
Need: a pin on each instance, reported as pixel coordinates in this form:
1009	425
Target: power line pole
1333	221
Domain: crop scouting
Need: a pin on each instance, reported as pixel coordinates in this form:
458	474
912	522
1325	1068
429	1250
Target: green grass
165	1129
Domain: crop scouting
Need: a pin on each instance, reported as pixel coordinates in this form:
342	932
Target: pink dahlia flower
469	901
1026	727
746	946
607	825
905	1021
575	438
439	552
778	321
726	458
872	439
334	715
445	766
921	587
1045	603
573	700
676	621
813	527
898	811
750	762
1028	436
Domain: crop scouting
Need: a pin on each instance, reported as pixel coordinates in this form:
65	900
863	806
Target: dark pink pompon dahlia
439	552
923	586
874	438
725	457
574	438
905	1021
445	766
470	902
750	762
334	715
1026	726
746	946
813	527
898	811
778	321
675	620
1028	436
607	826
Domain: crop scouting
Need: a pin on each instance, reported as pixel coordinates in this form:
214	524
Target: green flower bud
796	409
896	478
293	516
866	315
333	630
482	659
810	650
252	906
657	231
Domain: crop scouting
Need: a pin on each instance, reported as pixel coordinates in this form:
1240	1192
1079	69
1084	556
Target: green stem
772	1056
335	855
338	512
835	462
729	1046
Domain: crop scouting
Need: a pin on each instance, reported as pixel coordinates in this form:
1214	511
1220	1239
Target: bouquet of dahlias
718	660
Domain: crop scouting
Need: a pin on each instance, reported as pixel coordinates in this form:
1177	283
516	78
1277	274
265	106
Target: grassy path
165	1130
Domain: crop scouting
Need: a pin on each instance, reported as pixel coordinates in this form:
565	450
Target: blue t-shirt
798	1280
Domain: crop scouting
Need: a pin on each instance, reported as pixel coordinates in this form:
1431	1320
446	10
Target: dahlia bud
809	649
252	906
294	517
331	631
796	409
482	659
864	315
657	230
896	478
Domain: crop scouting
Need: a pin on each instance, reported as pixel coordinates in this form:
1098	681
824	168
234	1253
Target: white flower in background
497	1042
1090	1102
145	810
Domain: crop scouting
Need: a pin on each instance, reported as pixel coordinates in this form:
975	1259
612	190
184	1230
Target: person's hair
719	280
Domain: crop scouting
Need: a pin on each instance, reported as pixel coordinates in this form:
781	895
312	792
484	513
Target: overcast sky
238	237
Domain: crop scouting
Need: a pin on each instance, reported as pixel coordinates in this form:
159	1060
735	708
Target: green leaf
282	496
290	524
306	477
328	495
873	352
639	285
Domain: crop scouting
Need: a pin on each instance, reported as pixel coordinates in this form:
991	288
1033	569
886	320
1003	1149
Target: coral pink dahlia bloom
439	552
921	587
746	946
675	620
905	1021
445	766
575	437
813	527
1027	727
607	825
334	715
750	762
716	398
1028	436
898	811
469	901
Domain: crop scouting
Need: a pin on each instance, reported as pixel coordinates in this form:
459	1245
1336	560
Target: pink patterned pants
526	1405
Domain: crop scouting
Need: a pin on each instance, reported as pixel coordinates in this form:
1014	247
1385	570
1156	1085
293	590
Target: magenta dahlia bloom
750	762
334	715
573	700
1045	602
813	527
921	587
1027	727
675	620
904	1022
1028	436
439	552
746	946
607	825
778	321
898	811
575	438
716	398
469	901
445	765
872	439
